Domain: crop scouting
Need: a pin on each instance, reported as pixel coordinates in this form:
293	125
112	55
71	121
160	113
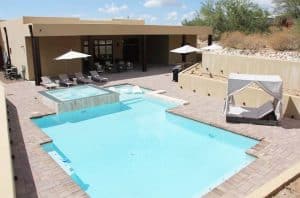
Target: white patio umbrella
186	49
71	55
211	47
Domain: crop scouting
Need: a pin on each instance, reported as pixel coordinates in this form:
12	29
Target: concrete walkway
277	151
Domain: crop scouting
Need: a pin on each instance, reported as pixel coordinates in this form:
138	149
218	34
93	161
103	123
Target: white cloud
160	3
172	16
147	17
112	8
189	15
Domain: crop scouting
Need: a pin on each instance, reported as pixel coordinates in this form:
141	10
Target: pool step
132	101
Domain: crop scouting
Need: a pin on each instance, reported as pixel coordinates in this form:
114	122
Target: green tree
231	15
289	8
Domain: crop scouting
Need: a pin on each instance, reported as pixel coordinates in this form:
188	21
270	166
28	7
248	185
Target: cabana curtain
271	84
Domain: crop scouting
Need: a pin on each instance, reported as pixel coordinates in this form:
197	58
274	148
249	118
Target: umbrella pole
183	58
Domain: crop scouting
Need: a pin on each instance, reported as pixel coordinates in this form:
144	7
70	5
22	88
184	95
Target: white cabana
212	47
271	84
186	49
72	55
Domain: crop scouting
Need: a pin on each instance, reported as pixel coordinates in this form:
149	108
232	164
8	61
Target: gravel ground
266	52
291	191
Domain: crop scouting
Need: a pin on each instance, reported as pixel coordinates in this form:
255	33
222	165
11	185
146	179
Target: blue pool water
75	92
135	149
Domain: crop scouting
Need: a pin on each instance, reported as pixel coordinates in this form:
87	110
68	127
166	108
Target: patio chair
109	66
48	83
121	66
82	79
129	65
96	77
11	73
64	80
99	67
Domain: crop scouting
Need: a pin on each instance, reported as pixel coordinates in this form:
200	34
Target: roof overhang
115	29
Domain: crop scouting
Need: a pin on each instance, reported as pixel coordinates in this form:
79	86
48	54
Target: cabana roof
254	77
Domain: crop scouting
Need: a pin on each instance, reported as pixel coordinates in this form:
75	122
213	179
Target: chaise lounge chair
82	79
64	80
97	78
265	114
48	83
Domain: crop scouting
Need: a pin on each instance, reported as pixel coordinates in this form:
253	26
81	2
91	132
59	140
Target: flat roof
66	26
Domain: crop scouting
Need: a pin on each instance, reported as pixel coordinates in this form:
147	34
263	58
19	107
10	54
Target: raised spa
78	97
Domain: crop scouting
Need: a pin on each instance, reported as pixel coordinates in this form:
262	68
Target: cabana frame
269	113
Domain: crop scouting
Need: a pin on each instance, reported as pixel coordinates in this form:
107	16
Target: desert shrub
274	28
232	39
253	42
284	40
240	40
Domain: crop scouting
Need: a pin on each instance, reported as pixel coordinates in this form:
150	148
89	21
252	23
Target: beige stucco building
33	52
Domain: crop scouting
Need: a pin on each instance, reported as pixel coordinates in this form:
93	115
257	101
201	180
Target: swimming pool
135	149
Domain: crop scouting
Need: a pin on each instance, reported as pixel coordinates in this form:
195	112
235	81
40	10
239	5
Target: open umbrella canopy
212	47
72	55
186	49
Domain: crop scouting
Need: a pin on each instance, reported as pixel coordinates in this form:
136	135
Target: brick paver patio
39	176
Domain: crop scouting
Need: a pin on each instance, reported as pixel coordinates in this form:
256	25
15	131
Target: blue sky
170	12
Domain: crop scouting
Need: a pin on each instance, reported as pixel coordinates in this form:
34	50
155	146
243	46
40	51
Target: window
103	49
85	46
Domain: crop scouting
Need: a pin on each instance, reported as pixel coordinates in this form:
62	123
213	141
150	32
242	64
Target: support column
36	57
8	62
183	56
144	54
209	40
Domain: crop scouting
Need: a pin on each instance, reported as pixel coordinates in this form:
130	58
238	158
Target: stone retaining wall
251	96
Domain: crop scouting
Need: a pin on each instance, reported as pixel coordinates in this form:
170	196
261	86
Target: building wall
52	47
157	49
175	41
29	69
16	31
7	186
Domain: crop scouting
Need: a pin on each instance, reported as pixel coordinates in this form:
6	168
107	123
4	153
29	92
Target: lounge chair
262	115
82	79
64	80
48	83
96	77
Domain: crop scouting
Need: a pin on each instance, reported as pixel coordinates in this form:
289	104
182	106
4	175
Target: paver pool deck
39	176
